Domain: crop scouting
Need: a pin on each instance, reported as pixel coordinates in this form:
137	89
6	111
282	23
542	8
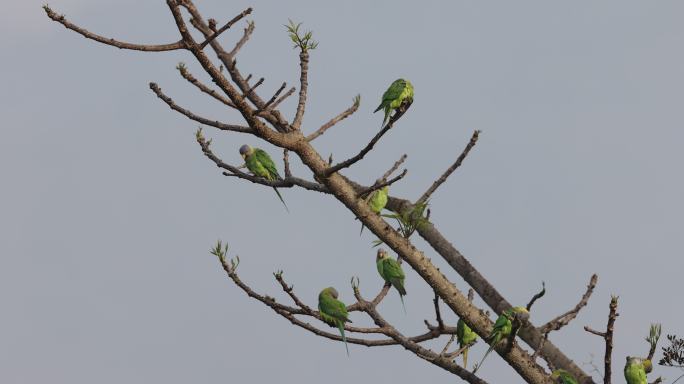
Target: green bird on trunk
260	164
464	336
635	370
390	271
502	329
399	93
377	201
563	376
333	311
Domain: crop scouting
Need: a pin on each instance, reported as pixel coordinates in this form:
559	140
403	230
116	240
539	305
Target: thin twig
282	98
438	315
452	168
245	36
346	113
202	87
536	297
349	162
109	41
214	123
384	184
253	87
273	99
225	27
396	166
608	337
562	320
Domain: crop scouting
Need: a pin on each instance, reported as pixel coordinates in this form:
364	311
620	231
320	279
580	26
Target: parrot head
245	151
556	374
332	292
382	254
520	310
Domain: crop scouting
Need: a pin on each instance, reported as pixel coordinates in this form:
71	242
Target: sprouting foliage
301	40
410	220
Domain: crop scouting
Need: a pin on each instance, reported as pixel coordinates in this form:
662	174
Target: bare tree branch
303	88
536	297
109	41
608	337
243	40
346	113
451	169
384	184
564	319
349	162
225	27
190	115
202	87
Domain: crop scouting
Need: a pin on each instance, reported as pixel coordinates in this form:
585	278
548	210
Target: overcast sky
108	207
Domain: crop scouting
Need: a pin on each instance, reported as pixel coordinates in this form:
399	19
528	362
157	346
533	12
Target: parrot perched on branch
333	311
502	329
260	164
565	376
377	201
464	336
390	270
399	93
635	370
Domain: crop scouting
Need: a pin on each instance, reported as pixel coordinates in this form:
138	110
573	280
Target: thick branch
303	88
346	113
451	169
109	41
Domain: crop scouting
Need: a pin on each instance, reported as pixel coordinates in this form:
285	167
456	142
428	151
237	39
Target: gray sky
108	207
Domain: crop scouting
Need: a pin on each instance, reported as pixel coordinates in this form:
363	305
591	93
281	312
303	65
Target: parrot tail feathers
344	338
281	199
378	108
483	358
465	358
402	303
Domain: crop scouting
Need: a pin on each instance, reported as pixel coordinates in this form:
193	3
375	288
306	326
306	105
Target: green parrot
565	376
390	271
400	92
502	329
464	336
260	164
377	201
635	370
333	311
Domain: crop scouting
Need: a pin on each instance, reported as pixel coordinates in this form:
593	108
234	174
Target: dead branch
564	319
536	297
202	87
451	169
608	337
384	184
438	315
225	27
346	113
190	115
349	162
109	41
303	88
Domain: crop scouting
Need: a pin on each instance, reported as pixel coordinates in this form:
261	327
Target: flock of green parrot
334	312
